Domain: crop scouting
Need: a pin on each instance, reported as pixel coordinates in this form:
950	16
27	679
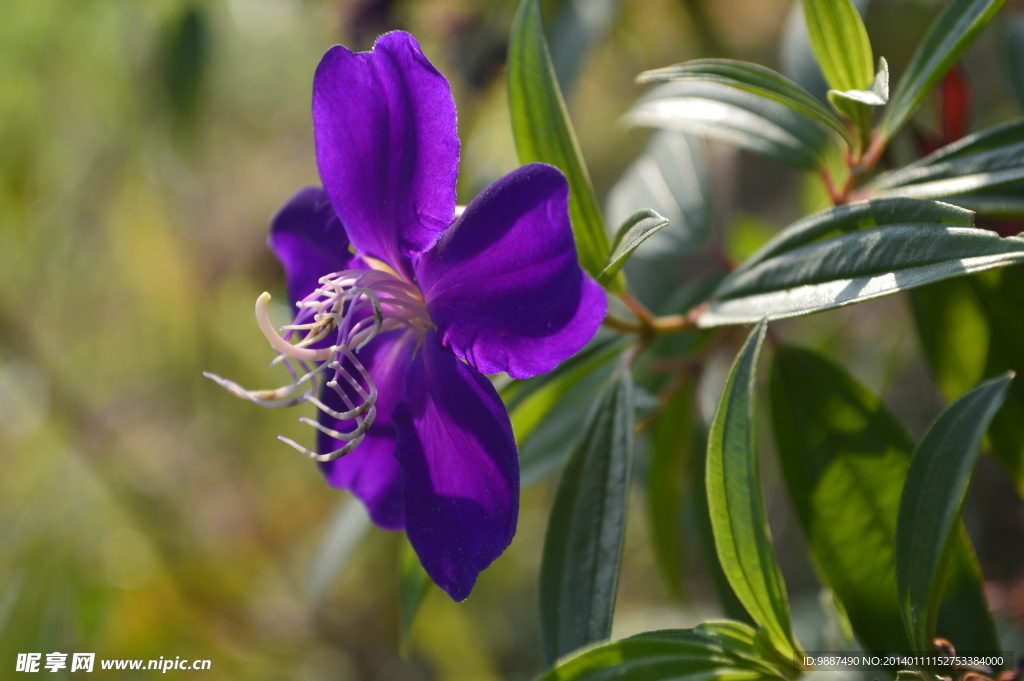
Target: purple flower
403	308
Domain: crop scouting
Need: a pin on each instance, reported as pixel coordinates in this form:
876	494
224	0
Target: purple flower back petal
371	471
386	146
503	284
308	239
460	469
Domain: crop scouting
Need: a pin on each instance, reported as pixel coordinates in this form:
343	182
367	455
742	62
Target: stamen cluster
355	306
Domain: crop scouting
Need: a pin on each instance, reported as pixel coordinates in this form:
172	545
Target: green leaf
583	547
727	598
736	506
413	586
840	43
947	39
856	266
672	440
529	401
754	79
857	105
544	133
855	216
844	457
932	504
682	655
1003	202
985	159
736	117
672	177
971	328
637	228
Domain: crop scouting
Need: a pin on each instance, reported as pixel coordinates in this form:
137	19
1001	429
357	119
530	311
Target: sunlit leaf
947	39
681	655
673	178
856	266
858	105
796	56
985	159
637	228
932	504
840	43
844	457
735	502
544	133
970	328
751	78
737	117
583	546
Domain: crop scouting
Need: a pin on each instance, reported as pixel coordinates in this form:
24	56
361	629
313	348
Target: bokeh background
144	512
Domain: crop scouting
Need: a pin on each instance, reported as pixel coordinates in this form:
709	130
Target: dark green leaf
638	227
754	79
544	133
672	440
856	216
840	43
985	159
746	120
413	586
971	328
735	502
583	546
1002	202
673	178
932	504
953	31
856	266
844	458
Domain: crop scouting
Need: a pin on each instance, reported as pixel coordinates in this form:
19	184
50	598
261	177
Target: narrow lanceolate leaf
672	177
856	266
736	117
680	655
544	133
844	457
855	216
858	105
529	401
932	504
755	79
413	586
840	43
672	441
1001	202
986	159
971	328
637	228
736	505
947	39
583	547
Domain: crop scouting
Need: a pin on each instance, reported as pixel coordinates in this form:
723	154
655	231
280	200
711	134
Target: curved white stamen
322	458
280	344
340	415
360	430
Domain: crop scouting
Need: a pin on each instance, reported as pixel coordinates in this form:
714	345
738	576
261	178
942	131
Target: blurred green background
145	512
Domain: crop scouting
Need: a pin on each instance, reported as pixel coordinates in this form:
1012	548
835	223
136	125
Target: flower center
349	308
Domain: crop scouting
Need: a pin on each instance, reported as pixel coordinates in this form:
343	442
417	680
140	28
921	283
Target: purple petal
503	284
460	469
371	470
386	146
308	239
